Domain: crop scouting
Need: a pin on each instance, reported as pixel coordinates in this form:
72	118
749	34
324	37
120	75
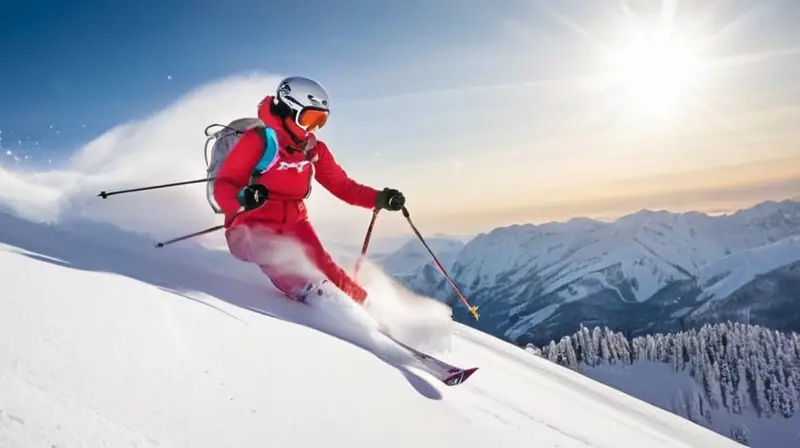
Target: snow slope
107	341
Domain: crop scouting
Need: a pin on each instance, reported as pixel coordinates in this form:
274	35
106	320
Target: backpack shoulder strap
269	157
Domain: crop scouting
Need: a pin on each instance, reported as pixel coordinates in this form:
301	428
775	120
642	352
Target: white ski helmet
305	100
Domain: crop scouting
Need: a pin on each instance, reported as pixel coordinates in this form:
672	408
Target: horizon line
713	213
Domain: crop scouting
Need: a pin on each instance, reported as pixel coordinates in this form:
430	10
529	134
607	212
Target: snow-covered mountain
413	256
721	279
536	282
760	285
108	341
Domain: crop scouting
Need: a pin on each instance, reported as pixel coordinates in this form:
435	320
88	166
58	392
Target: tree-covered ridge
736	364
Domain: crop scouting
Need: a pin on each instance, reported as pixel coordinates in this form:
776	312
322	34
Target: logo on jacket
299	166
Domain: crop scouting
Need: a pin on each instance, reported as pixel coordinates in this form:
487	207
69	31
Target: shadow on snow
181	270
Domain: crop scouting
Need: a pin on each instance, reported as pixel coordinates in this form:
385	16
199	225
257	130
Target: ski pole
473	310
105	194
202	232
367	238
191	235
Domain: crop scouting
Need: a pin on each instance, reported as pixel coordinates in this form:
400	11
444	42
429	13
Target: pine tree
624	349
791	395
796	344
532	349
739	434
588	346
605	352
741	386
676	354
597	334
552	352
696	407
649	352
761	403
569	352
726	383
637	348
736	365
712	385
611	344
582	342
661	348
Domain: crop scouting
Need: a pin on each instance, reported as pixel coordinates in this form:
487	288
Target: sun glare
656	72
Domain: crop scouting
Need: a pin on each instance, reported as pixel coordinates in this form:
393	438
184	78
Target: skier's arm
331	176
234	174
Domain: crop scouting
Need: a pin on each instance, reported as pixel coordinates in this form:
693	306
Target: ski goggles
312	118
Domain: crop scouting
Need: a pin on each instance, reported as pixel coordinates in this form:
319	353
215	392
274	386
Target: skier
260	211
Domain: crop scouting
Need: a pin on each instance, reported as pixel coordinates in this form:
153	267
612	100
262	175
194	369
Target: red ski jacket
288	180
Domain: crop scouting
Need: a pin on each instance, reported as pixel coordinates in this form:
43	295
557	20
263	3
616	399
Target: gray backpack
225	139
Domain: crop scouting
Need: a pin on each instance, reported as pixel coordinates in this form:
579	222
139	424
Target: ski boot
310	289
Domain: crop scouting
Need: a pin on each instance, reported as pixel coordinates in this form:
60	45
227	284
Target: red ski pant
291	258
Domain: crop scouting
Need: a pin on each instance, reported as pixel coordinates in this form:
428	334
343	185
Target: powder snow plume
419	321
162	148
168	147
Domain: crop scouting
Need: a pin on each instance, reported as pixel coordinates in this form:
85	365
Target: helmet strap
280	108
285	112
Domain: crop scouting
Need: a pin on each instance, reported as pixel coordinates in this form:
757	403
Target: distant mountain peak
527	276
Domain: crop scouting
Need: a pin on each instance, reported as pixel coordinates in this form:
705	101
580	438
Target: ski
447	373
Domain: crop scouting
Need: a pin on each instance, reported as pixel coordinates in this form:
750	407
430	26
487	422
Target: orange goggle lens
311	119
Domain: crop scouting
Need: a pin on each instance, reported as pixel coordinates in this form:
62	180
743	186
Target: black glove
390	199
253	196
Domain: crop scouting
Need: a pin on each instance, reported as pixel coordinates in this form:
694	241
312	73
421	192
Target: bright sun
656	72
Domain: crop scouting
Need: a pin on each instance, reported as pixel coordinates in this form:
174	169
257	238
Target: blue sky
510	110
68	64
